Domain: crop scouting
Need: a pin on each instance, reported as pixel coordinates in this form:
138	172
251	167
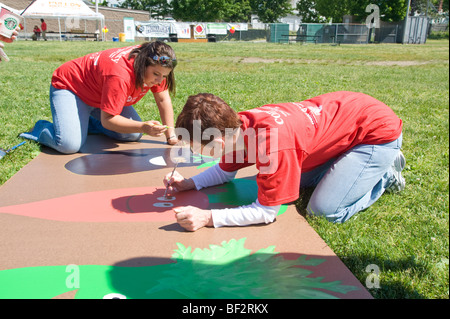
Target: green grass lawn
406	236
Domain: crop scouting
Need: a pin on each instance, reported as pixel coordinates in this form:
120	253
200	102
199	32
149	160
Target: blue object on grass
3	152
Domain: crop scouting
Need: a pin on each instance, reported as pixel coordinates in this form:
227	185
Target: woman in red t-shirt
345	144
96	94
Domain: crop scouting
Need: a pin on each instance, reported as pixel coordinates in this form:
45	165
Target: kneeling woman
96	93
345	144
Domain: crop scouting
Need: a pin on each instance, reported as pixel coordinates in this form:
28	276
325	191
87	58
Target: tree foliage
390	10
428	6
270	11
237	11
307	10
211	10
157	8
312	10
195	10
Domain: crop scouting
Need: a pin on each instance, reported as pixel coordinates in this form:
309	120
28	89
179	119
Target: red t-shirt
291	138
103	79
44	26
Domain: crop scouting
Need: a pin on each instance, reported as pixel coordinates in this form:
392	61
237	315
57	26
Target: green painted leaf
231	271
228	270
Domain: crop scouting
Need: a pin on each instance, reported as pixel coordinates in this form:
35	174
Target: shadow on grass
392	271
393	280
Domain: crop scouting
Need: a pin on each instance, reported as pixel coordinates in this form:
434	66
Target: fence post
405	32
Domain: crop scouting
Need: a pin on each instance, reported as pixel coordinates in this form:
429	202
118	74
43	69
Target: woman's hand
154	128
172	140
192	218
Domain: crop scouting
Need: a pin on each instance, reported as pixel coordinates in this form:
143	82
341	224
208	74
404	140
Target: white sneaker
399	181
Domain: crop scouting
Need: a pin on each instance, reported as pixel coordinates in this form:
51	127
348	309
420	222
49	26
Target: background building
113	20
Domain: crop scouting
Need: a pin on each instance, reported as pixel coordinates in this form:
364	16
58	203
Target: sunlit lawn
405	235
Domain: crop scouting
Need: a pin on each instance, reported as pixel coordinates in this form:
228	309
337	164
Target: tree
134	4
307	10
197	10
419	6
334	10
211	10
443	4
428	6
270	11
103	3
390	10
156	8
237	11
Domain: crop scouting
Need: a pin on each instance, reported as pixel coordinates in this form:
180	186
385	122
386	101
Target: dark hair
211	110
143	58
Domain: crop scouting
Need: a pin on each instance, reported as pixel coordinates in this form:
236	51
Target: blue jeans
352	182
72	121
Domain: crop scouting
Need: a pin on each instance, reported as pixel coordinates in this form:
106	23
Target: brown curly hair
211	111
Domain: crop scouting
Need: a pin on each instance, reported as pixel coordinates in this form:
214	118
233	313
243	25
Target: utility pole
405	33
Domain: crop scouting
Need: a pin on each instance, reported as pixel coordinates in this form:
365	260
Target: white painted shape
159	161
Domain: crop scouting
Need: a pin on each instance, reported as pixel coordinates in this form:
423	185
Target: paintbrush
165	126
171	175
177	161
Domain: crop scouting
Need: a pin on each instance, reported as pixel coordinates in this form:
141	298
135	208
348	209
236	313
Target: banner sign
161	29
183	30
130	30
153	29
216	28
200	31
238	26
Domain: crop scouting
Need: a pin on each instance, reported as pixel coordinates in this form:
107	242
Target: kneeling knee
132	137
68	148
325	210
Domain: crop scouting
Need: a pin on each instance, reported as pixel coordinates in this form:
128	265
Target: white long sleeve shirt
238	216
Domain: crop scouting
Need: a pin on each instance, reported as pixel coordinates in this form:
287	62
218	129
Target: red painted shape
119	205
199	29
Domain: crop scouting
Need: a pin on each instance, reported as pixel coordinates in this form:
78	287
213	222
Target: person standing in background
44	29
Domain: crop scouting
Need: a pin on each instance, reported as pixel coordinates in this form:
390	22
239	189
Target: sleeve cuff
245	215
